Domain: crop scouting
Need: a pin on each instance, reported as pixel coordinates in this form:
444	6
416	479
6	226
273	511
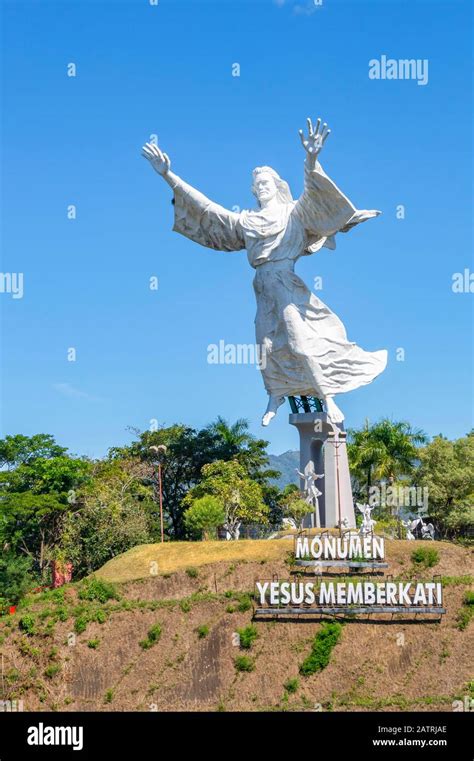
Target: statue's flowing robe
305	350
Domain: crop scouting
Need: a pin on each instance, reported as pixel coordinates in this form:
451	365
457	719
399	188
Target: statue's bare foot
333	411
273	403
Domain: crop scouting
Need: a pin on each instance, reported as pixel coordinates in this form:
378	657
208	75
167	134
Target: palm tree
233	438
364	455
235	442
400	444
386	449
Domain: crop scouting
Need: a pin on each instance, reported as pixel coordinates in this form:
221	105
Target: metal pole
337	445
161	502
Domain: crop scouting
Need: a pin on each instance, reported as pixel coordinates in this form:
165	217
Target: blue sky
167	70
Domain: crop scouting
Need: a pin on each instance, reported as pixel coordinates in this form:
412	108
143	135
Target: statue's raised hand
160	161
314	140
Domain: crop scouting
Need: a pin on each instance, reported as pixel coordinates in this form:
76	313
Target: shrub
100	617
290	559
13	675
425	556
49	628
97	589
467	611
27	624
80	624
204	516
15	578
464	617
324	641
247	636
26	649
244	663
202	631
93	644
52	670
152	638
193	573
109	696
155	633
244	602
294	507
291	685
55	595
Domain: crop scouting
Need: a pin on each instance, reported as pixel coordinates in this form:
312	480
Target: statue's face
264	187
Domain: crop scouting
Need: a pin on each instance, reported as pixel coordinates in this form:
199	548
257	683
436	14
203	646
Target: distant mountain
286	464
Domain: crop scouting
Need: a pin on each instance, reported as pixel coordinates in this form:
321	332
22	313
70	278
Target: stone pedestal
323	449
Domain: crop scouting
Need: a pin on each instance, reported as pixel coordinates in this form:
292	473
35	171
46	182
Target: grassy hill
165	639
176	556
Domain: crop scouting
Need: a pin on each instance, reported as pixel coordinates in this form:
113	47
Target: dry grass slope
176	556
385	665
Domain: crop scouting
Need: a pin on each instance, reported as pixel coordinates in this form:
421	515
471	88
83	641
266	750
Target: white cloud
74	393
306	10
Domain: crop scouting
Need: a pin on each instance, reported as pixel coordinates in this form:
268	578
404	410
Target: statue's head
267	185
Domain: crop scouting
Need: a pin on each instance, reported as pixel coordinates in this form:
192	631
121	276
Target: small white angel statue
368	523
311	491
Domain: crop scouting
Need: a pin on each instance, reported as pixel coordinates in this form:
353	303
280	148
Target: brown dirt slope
63	653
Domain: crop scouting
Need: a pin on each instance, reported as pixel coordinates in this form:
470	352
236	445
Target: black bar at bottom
128	735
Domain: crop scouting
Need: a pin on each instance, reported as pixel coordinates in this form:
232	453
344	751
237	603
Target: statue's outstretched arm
196	216
313	142
161	163
323	209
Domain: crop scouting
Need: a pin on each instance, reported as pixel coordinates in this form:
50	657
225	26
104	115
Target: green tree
187	451
31	524
272	497
58	475
235	442
204	516
241	497
446	469
15	577
294	507
37	489
113	513
385	450
21	450
232	438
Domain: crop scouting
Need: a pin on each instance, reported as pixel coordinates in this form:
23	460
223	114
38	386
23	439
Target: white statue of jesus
305	345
